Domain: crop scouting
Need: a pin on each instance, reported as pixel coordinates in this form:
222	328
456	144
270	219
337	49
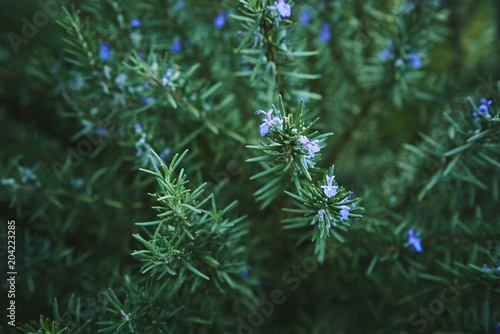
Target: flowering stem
272	54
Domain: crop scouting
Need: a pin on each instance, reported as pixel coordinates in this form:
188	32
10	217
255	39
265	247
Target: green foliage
286	157
187	233
245	229
327	213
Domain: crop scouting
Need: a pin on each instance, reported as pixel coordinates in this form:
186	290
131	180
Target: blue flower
409	7
145	100
284	9
497	328
180	4
164	153
414	240
324	35
104	51
385	54
415	60
483	108
100	131
177	46
140	55
135	23
344	212
245	274
220	20
267	122
329	189
311	146
138	128
305	17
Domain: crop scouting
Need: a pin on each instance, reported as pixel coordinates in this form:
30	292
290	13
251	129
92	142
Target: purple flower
135	23
415	60
311	146
385	54
244	274
497	328
267	122
324	35
329	189
284	9
104	51
414	240
220	20
305	17
177	46
483	108
344	212
138	128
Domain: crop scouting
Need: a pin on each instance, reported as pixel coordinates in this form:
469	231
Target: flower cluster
323	215
329	205
412	57
304	148
291	143
27	176
483	109
169	77
415	60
